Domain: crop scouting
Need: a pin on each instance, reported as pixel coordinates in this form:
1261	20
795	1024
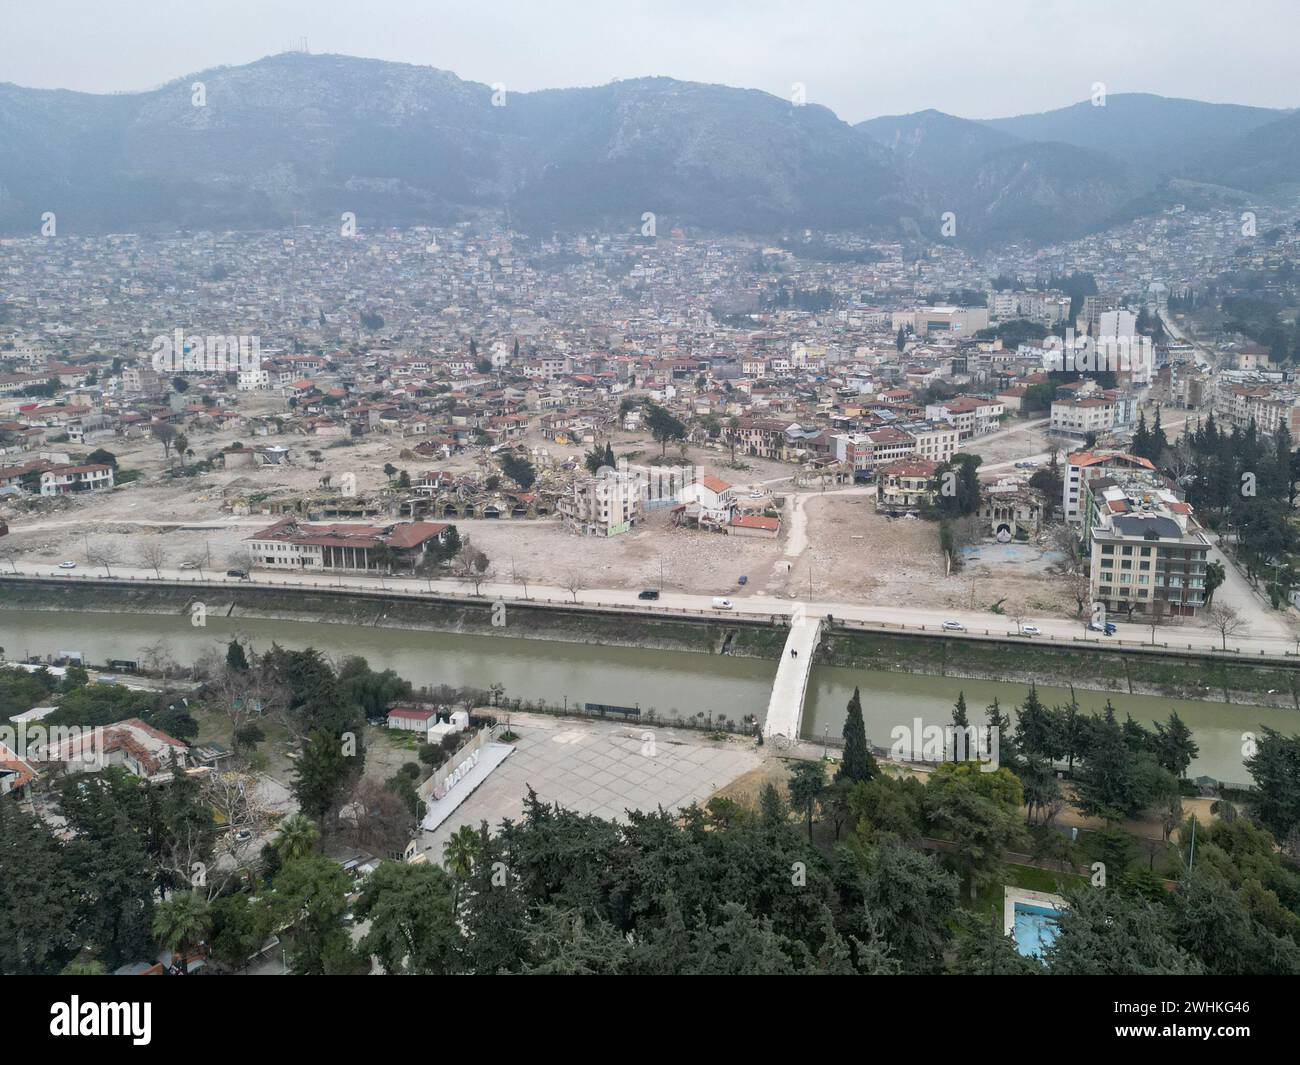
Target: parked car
1030	630
649	593
242	574
67	565
721	604
1103	627
954	626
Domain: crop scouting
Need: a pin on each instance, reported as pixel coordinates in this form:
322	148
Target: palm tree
459	852
181	921
458	855
297	837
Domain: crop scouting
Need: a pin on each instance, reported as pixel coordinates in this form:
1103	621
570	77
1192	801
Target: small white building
411	718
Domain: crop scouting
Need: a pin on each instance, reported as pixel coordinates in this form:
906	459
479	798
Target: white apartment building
1079	417
68	480
938	442
258	380
602	506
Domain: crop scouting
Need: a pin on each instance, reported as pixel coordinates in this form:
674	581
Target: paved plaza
599	767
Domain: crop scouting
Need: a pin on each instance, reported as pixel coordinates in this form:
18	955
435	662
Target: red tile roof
756	521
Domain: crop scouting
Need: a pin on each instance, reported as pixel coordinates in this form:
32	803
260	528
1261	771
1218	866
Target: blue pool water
1035	928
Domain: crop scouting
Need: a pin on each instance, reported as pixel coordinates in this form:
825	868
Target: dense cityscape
486	580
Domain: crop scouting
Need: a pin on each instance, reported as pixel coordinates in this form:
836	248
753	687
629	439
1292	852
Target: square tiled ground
599	767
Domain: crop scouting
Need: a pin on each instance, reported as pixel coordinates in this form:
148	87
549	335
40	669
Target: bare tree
517	576
244	695
1066	541
573	583
104	553
233	796
472	565
196	560
153	555
375	819
242	559
1073	565
1227	621
10	553
157	658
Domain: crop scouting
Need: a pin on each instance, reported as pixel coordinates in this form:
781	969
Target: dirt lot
858	555
1010	443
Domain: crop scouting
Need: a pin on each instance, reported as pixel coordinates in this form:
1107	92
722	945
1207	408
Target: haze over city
650	489
977	60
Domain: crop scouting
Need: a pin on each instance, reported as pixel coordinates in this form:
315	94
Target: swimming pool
1035	928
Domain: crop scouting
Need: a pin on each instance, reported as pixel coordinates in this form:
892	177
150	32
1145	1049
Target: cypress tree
858	765
959	718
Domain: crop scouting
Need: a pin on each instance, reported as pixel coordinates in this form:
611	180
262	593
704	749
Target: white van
721	604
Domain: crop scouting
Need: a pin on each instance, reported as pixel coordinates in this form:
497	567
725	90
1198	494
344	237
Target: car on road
1105	627
1028	464
756	494
1030	630
189	565
954	626
649	593
721	604
67	565
241	574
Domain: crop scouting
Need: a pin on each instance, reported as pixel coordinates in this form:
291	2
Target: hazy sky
977	58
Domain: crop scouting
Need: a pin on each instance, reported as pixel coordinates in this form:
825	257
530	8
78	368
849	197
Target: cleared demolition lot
852	553
857	555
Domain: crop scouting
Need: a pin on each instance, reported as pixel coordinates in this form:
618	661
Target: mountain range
303	138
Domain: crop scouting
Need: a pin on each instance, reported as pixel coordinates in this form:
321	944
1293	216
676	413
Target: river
674	683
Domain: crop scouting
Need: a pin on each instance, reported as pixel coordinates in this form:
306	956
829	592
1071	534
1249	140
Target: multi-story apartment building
1084	466
1081	416
936	441
870	450
258	380
1149	560
141	380
602	506
1269	406
972	415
